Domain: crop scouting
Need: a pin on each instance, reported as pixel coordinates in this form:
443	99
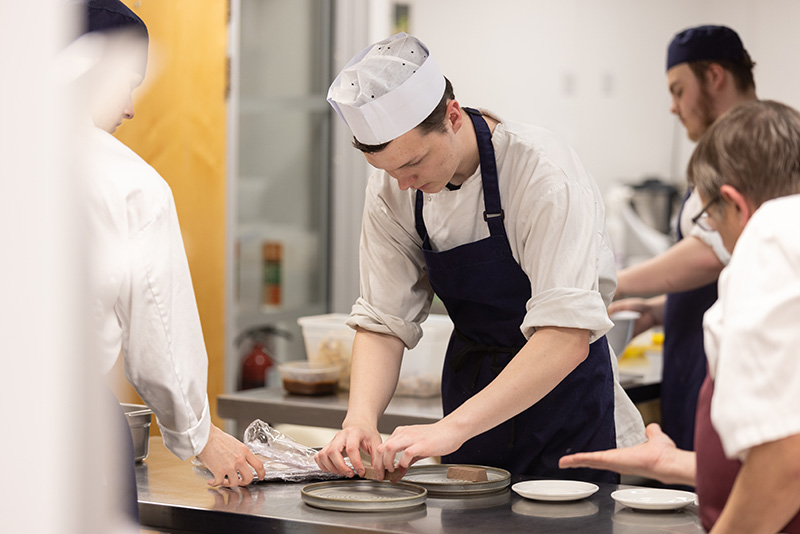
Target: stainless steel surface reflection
555	509
174	496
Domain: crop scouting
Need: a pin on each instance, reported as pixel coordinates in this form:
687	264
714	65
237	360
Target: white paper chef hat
387	89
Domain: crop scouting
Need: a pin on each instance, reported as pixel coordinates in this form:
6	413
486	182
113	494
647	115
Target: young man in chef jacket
142	298
502	221
746	170
708	72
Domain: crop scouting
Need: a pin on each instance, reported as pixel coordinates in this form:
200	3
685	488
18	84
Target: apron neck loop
493	213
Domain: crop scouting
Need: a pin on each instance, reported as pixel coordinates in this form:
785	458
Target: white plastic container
328	340
306	378
421	373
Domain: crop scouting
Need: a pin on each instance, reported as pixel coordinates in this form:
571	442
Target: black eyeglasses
701	219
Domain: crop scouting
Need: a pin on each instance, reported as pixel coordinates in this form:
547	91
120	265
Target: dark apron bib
684	357
485	292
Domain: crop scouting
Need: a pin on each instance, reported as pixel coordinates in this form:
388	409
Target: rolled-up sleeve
395	292
561	252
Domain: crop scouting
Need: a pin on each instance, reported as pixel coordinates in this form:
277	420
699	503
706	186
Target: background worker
708	73
746	468
502	221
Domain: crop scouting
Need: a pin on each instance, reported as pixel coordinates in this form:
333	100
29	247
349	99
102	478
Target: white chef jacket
691	208
555	223
141	291
752	333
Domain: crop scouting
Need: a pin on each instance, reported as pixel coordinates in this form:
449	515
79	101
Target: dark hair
432	123
741	70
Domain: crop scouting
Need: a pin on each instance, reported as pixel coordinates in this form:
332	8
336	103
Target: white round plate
654	498
554	490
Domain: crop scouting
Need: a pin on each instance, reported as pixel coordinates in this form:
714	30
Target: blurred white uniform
752	333
143	300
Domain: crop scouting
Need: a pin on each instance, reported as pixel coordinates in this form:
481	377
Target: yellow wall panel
179	128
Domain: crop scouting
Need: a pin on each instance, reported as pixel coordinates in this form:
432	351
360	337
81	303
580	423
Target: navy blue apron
485	292
684	357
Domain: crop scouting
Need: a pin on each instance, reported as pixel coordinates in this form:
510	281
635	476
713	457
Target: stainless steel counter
174	497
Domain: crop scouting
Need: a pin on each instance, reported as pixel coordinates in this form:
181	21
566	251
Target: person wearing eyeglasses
708	72
746	467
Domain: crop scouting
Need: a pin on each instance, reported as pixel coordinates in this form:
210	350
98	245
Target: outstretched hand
229	460
658	458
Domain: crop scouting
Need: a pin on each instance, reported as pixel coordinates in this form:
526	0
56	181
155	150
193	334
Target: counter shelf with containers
329	341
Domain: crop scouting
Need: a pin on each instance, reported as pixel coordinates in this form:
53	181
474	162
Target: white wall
594	70
590	70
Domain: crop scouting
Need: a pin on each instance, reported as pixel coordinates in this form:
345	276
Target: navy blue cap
108	15
705	43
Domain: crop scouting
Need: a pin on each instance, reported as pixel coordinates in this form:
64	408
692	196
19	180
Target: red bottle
257	361
255	368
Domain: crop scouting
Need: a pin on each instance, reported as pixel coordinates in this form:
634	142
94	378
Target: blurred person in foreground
746	468
708	72
143	303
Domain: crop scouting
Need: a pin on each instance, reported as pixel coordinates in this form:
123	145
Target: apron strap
493	213
419	223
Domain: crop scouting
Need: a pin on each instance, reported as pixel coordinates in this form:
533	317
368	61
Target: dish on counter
363	495
654	498
434	479
555	490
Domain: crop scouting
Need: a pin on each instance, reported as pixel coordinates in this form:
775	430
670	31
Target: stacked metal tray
419	482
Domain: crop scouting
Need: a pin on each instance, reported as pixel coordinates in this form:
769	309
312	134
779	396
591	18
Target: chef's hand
416	442
649	309
657	458
348	442
229	460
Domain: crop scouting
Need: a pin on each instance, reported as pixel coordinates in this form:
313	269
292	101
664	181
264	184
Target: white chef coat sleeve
562	246
757	373
164	352
712	239
395	292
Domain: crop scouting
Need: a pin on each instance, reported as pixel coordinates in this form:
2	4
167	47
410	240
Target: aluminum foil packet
284	458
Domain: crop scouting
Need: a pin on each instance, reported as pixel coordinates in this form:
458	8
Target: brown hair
754	147
741	70
432	123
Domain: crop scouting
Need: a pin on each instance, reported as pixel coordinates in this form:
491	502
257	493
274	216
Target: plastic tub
306	378
421	373
329	341
139	418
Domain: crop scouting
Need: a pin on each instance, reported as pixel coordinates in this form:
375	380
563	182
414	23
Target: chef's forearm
546	359
375	368
687	265
766	494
